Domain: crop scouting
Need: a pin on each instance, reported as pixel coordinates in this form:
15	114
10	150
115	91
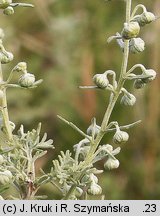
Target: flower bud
120	137
95	189
5	3
20	67
108	148
138	84
149	72
128	99
101	80
91	129
8	11
136	45
6	58
26	80
130	30
146	18
1	159
89	178
111	163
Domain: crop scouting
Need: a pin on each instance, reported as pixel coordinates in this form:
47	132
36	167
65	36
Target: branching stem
110	107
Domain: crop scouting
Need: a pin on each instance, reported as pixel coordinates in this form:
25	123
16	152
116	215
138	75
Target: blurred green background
64	43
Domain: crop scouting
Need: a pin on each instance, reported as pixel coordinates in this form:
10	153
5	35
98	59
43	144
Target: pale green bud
138	84
107	148
21	67
120	137
101	80
89	178
90	130
8	11
146	18
94	189
149	72
111	163
6	58
130	30
136	45
26	80
5	3
128	99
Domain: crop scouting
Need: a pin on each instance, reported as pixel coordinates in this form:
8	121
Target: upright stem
110	107
5	110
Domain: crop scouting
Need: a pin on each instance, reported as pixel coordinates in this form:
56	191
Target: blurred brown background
64	43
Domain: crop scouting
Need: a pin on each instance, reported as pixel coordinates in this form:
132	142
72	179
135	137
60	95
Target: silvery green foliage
88	151
17	161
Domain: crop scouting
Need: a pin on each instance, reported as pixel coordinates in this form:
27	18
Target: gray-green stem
5	110
110	107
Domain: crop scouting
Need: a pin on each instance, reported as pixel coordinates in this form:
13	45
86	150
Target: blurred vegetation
64	43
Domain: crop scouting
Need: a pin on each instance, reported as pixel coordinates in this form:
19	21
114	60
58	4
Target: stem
5	110
136	66
110	108
136	8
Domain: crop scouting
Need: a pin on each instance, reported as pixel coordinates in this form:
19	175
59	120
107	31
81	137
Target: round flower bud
120	137
5	3
8	11
1	33
101	80
26	80
21	67
149	72
1	94
136	45
128	99
78	192
138	84
1	159
107	147
130	30
91	129
95	189
111	163
146	18
8	57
